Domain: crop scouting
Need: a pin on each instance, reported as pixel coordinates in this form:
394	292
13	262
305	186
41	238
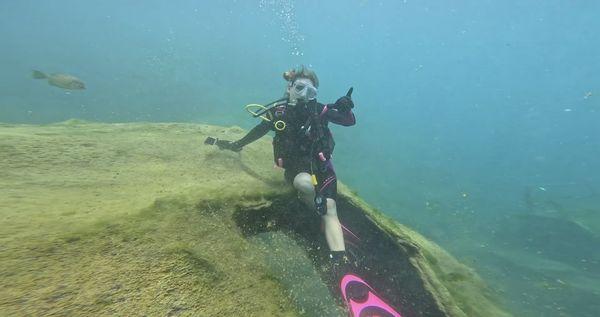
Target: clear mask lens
304	90
299	87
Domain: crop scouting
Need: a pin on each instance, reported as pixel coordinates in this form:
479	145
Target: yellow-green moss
130	219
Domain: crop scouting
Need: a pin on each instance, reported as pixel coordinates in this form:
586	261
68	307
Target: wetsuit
303	141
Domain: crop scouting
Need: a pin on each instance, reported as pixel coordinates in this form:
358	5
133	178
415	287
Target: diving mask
302	90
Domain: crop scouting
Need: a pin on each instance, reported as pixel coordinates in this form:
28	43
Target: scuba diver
303	145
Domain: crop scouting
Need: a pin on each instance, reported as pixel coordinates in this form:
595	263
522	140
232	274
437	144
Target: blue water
478	121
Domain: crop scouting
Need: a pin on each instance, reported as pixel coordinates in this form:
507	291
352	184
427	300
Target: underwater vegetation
98	220
143	219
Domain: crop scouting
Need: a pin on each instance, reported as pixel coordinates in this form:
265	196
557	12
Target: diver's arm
341	111
345	118
256	133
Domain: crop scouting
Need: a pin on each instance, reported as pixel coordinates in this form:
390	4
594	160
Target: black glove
344	104
228	145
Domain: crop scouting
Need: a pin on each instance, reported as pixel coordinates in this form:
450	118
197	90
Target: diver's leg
333	228
339	264
306	190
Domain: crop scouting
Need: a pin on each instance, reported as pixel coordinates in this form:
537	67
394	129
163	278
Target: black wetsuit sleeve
345	118
256	133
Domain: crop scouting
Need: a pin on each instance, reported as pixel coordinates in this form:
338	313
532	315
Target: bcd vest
301	132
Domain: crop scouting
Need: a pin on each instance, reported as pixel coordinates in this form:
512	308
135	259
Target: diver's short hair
302	72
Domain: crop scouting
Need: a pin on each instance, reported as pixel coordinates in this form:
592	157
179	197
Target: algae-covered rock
144	219
456	289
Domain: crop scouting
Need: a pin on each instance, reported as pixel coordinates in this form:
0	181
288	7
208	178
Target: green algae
139	219
128	221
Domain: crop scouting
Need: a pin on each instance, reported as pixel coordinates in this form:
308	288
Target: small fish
587	95
64	81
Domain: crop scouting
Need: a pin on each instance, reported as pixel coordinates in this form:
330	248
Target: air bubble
286	14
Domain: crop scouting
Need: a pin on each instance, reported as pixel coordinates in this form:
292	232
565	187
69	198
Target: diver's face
302	90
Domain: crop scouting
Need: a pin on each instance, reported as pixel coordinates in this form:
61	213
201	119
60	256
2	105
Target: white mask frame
302	89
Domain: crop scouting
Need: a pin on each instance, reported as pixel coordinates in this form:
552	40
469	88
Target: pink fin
370	306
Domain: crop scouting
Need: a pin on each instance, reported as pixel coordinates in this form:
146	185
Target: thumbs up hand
345	103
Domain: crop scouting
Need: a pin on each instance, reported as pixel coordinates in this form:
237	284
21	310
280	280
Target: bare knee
303	183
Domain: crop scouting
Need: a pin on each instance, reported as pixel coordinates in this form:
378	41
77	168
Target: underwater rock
144	219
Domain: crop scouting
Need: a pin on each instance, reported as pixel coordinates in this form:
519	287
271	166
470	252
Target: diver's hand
228	145
345	103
